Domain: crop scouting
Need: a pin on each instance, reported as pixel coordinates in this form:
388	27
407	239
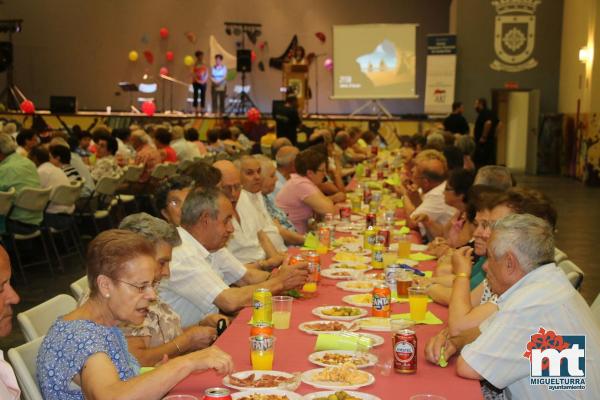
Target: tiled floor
578	232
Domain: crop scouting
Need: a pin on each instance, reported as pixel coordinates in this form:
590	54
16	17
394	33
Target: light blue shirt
278	185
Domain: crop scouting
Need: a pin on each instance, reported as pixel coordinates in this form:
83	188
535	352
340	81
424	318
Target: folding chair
79	287
24	362
573	272
36	321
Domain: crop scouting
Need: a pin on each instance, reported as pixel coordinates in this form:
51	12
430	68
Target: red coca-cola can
384	234
371	219
345	213
405	351
217	393
374	150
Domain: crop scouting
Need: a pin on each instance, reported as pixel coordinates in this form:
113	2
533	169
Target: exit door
517	136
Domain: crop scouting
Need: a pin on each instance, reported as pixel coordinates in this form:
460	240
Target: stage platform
397	125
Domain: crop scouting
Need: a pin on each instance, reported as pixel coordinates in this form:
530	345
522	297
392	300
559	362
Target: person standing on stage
199	79
219	85
288	120
485	134
456	122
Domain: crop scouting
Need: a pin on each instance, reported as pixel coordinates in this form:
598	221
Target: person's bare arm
289	237
266	244
193	338
328	188
320	203
289	277
487	127
152	385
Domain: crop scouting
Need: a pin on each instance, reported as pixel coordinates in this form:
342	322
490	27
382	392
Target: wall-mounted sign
441	73
514	35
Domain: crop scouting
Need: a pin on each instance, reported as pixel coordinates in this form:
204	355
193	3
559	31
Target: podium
295	77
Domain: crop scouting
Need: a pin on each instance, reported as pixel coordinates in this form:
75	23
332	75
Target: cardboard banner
440	80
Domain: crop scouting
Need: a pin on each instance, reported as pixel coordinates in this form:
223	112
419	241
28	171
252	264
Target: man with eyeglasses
425	194
249	242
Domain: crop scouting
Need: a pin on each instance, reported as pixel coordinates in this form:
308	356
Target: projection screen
375	61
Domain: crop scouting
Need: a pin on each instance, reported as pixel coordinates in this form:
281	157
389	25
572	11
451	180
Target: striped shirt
542	298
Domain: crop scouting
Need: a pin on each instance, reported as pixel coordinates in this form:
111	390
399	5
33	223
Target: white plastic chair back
6	199
161	171
36	321
33	199
79	287
66	195
24	362
559	256
132	173
573	272
596	308
107	185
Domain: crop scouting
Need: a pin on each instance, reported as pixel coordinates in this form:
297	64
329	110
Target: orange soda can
261	328
382	299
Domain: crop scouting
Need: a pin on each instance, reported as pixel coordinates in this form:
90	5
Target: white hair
494	175
8	145
265	163
528	237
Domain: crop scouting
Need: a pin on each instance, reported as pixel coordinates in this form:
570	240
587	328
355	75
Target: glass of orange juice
262	349
403	247
417	302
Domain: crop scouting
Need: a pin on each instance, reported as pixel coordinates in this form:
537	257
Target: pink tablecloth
293	347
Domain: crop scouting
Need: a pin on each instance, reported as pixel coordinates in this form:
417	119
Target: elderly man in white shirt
202	270
9	389
534	294
249	242
429	178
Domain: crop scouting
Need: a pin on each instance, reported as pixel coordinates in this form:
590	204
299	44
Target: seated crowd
162	288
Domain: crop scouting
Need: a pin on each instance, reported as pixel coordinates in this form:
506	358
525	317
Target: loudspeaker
244	60
63	104
6	55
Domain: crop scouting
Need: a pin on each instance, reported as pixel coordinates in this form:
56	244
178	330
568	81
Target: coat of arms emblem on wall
514	35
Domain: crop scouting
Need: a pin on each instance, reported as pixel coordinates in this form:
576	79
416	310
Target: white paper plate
351	265
355	248
371	359
349	227
358	300
305	327
356	286
319	313
307	377
257	374
333	273
375	324
290	395
358	395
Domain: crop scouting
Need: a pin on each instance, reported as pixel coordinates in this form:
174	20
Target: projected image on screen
374	61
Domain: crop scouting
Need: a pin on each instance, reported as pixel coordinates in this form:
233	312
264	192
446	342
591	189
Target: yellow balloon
133	55
188	60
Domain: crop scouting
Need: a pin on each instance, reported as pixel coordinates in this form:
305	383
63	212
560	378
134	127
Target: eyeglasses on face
143	288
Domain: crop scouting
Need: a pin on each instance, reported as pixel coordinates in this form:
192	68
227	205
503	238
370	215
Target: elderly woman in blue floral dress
85	355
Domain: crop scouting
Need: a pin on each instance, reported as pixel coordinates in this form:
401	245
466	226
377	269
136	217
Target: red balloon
320	36
253	115
149	56
169	55
27	107
164	71
252	56
164	33
148	108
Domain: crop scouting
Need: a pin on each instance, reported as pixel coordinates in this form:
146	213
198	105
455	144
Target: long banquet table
293	347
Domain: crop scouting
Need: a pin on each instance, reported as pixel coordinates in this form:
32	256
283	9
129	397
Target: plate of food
345	376
338	357
260	380
378	324
348	257
340	313
349	227
340	395
352	265
376	340
357	286
362	300
320	326
354	248
339	273
267	394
